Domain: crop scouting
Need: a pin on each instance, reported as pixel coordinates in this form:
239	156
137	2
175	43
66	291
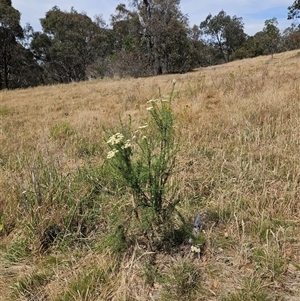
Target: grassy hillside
67	229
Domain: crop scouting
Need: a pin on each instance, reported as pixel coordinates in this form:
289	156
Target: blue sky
254	12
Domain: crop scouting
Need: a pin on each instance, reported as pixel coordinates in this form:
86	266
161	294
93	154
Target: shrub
145	159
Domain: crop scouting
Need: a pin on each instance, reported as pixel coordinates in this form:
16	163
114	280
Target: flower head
115	139
127	144
195	249
111	153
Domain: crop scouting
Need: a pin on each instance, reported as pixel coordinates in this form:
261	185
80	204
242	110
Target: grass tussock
73	228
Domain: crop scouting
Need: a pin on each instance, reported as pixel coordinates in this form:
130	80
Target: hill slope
238	167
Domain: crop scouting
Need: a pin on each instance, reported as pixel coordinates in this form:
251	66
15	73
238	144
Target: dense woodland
144	38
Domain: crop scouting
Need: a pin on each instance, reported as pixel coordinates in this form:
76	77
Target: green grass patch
62	130
6	112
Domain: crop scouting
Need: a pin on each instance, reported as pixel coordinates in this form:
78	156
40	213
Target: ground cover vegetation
156	35
101	182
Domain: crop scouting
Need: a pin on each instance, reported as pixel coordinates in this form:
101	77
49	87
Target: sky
253	12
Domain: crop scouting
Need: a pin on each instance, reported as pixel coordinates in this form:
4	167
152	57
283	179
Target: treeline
146	38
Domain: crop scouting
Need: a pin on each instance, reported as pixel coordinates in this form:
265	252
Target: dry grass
239	167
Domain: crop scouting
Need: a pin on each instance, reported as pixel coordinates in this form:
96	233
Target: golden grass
239	167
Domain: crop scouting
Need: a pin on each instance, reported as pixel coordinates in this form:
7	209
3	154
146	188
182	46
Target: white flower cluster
115	139
111	153
195	249
127	144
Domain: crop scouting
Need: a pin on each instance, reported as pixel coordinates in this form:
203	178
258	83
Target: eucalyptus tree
69	44
291	37
127	58
224	32
165	29
153	34
272	35
294	10
10	32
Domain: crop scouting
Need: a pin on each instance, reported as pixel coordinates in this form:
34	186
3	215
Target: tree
176	48
10	32
267	41
224	33
126	28
291	37
203	54
294	10
154	34
165	35
69	44
272	36
247	50
129	45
